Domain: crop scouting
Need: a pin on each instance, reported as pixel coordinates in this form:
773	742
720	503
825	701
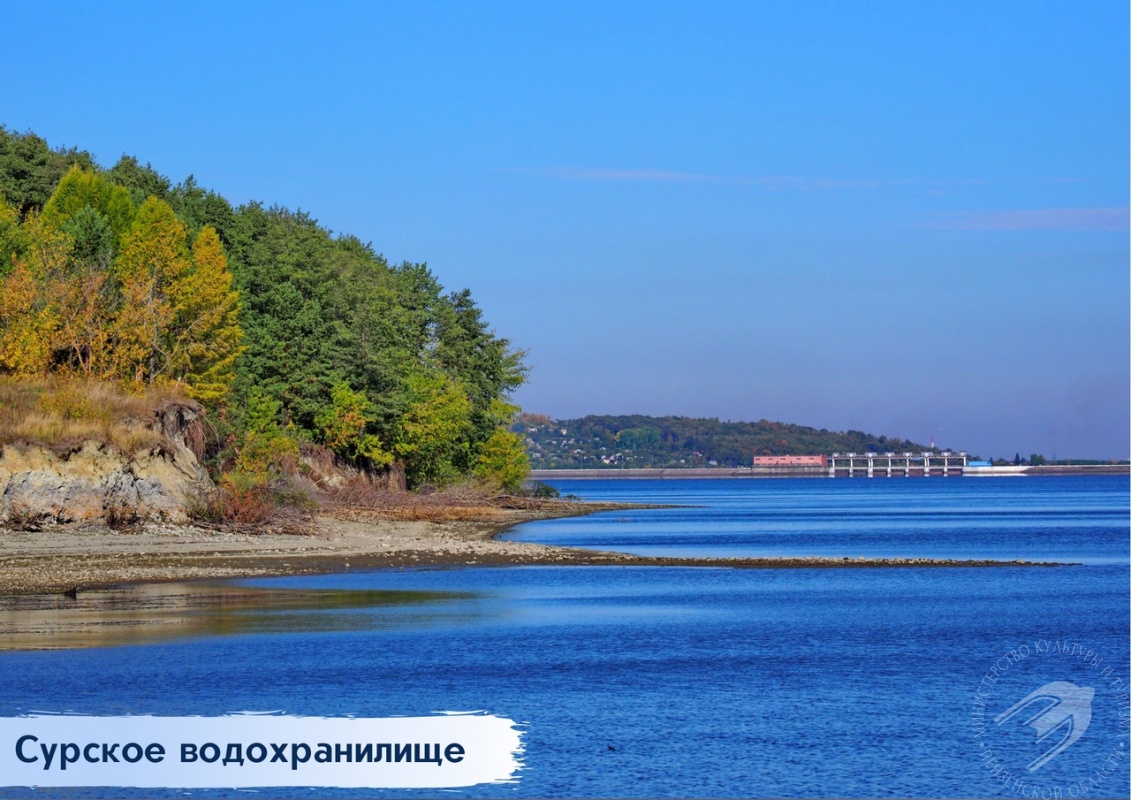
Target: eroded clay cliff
95	481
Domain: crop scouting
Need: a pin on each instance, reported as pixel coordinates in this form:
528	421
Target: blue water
1080	519
696	681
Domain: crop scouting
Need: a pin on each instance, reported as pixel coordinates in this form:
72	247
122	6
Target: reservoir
641	681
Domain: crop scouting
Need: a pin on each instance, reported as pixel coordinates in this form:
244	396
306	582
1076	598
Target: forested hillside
287	334
647	442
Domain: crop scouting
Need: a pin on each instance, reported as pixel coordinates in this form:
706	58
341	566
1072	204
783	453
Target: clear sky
904	218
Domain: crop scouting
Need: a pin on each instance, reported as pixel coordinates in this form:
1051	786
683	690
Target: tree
483	363
197	207
77	283
32	315
295	344
80	188
142	182
266	445
75	239
430	436
30	170
502	461
13	241
344	427
149	270
26	323
205	336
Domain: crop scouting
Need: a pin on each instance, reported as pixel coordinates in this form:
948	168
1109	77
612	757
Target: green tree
30	170
295	343
267	446
92	239
344	427
197	207
430	438
13	240
484	364
80	188
141	182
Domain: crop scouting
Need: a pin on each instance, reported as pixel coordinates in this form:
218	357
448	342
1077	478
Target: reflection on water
157	612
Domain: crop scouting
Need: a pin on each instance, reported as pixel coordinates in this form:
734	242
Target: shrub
542	491
22	518
241	497
251	499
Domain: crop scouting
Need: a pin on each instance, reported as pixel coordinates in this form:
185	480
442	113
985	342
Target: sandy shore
59	560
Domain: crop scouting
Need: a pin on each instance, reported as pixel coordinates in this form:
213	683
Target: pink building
789	461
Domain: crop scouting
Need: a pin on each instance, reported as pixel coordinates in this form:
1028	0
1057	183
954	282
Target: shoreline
70	560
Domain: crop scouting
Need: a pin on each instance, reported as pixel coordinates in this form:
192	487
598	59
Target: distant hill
641	442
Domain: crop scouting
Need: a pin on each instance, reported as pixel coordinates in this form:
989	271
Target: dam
842	465
890	465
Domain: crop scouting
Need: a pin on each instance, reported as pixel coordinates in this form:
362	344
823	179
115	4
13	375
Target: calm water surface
681	682
1060	519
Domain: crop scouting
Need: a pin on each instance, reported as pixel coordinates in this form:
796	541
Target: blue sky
905	218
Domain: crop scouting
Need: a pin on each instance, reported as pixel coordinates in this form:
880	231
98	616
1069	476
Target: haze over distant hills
639	441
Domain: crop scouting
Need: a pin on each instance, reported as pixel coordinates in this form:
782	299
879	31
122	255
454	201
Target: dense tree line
642	442
287	333
100	287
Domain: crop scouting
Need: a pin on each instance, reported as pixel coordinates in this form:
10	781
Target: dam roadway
813	472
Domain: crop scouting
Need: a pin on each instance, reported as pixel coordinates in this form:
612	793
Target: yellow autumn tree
75	240
26	323
502	463
204	337
76	289
149	269
29	317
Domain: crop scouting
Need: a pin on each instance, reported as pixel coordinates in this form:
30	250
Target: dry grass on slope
64	412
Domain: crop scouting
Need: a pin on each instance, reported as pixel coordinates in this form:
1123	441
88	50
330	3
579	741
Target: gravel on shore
66	559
